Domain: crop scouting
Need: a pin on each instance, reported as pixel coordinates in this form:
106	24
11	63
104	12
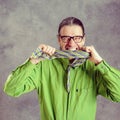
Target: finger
49	50
42	46
52	51
88	49
83	48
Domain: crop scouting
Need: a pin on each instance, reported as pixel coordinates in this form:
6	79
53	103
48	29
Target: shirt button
76	90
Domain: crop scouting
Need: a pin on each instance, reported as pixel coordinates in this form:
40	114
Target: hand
95	57
46	49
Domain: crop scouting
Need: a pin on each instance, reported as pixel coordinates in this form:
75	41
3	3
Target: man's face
66	40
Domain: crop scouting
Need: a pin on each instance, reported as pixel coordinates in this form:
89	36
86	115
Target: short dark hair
71	21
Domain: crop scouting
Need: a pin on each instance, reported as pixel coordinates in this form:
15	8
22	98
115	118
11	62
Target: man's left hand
94	56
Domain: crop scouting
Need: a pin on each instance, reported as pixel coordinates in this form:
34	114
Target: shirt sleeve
108	81
23	79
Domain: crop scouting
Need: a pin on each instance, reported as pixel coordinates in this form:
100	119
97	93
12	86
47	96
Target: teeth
72	49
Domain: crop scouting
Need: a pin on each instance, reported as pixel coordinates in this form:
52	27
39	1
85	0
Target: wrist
34	60
98	61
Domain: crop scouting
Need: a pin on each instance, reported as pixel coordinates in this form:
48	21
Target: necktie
78	56
61	54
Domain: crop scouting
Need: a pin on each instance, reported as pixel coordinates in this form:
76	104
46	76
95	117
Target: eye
63	37
76	37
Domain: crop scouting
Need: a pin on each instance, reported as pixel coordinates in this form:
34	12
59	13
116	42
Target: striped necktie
78	56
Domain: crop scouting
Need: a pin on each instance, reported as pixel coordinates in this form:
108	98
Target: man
49	77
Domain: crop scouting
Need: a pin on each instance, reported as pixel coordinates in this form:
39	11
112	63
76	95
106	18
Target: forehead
71	30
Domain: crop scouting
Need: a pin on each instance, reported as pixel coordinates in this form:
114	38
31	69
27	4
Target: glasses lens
65	38
77	38
68	38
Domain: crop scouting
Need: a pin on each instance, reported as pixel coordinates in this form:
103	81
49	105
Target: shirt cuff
27	64
103	67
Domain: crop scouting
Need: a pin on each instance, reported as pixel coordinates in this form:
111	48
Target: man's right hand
46	49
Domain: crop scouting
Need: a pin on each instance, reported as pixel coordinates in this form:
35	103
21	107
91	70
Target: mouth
71	48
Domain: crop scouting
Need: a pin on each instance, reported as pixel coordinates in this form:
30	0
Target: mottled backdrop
24	24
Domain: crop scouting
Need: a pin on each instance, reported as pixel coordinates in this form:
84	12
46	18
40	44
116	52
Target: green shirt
49	77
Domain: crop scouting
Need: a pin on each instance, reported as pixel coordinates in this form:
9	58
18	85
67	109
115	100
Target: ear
83	40
58	38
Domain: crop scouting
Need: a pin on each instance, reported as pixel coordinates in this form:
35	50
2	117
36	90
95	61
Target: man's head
71	34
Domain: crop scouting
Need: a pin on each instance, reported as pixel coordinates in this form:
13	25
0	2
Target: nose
71	40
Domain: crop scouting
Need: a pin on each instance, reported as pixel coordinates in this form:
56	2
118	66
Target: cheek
81	44
62	45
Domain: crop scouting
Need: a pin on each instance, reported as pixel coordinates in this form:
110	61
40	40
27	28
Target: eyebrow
71	36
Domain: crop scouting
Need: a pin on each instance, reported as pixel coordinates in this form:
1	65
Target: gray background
24	24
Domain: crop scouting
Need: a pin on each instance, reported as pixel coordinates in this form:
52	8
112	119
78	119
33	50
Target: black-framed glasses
76	39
